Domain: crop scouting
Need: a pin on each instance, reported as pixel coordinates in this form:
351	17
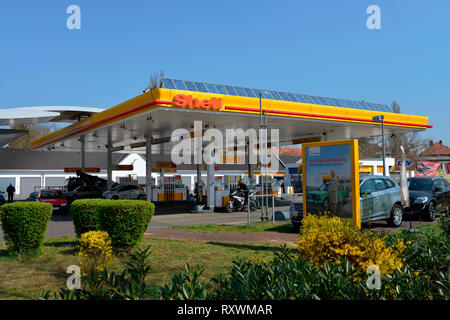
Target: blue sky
314	47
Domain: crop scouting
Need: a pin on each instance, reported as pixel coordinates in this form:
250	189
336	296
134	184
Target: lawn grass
25	278
428	227
285	227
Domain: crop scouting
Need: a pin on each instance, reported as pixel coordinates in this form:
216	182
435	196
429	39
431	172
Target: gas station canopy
177	104
43	114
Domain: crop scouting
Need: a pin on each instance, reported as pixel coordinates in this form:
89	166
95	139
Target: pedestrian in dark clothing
10	191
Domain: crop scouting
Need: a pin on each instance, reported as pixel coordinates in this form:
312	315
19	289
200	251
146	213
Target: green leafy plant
84	215
289	277
186	285
130	284
284	277
423	275
427	260
125	221
444	222
24	225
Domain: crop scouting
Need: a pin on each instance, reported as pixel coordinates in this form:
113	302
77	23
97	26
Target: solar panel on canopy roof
200	86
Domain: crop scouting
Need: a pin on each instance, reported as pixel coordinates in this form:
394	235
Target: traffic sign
409	163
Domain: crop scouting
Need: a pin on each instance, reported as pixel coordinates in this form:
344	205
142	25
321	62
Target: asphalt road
61	225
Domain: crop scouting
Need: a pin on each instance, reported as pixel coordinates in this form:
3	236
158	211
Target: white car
125	191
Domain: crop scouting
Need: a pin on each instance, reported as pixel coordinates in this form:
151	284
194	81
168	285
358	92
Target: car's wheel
140	197
229	207
115	198
430	213
396	218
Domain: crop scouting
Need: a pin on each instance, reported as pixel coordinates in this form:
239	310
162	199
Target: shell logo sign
184	101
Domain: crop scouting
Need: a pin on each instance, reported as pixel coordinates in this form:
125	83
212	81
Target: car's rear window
420	184
51	194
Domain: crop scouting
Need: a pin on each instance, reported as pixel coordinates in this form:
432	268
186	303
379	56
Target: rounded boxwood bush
24	225
84	215
125	221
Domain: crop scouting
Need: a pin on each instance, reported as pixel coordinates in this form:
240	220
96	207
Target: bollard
248	210
273	208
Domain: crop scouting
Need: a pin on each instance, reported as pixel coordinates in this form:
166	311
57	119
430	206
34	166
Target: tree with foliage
35	131
413	142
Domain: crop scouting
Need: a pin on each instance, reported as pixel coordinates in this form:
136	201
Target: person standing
10	190
333	186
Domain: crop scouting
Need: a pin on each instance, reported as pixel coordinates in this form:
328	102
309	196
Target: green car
320	197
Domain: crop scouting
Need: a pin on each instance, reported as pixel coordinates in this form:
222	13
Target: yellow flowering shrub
257	260
95	251
327	239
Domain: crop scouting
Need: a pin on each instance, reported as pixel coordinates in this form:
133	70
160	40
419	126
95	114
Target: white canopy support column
210	185
148	167
198	159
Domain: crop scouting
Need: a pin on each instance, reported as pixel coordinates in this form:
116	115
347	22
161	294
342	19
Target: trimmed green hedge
125	221
24	225
84	215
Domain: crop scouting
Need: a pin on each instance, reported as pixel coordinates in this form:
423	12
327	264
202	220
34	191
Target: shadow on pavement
170	207
61	217
252	247
282	228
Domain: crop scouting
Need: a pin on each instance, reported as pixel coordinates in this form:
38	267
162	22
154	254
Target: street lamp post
381	119
262	178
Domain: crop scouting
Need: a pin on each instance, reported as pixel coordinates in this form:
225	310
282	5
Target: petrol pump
274	186
293	178
223	185
169	189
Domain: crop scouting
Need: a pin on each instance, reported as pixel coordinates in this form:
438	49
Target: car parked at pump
84	192
380	199
55	198
428	195
125	191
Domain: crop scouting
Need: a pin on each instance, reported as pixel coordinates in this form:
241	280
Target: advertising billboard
427	168
331	179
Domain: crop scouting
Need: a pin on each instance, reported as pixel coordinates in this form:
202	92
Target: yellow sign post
331	179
